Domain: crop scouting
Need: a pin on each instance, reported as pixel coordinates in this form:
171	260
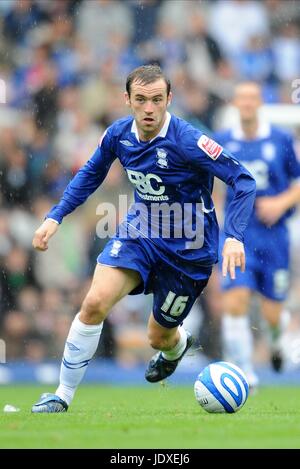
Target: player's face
148	104
247	100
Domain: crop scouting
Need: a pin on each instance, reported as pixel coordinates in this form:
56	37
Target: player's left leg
172	345
174	296
161	338
275	315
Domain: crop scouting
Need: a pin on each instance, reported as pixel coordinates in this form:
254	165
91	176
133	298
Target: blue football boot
159	368
48	404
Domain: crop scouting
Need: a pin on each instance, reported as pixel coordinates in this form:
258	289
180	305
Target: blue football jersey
272	161
174	170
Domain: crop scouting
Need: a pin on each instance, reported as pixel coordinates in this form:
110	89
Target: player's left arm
207	155
270	209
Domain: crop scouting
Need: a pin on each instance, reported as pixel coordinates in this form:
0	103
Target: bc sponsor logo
146	183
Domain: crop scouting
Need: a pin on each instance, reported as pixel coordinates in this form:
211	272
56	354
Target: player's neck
250	128
146	136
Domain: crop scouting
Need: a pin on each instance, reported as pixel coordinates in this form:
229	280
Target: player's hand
269	209
233	256
43	234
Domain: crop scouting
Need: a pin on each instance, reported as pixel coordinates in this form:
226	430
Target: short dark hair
146	74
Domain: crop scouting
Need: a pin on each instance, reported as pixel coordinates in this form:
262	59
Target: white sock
238	343
81	344
176	351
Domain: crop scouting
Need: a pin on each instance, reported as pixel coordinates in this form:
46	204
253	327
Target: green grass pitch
150	417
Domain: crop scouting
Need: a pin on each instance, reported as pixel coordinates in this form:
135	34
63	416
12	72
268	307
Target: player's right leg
236	333
109	285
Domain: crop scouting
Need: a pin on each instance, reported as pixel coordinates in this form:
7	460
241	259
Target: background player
168	160
268	154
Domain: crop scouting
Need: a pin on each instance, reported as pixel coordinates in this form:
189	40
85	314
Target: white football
221	388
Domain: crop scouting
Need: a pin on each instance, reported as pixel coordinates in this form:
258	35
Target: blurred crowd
64	63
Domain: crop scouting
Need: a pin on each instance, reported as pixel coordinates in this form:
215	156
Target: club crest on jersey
161	158
210	147
268	151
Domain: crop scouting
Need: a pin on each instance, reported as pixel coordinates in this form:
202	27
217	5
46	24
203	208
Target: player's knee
95	307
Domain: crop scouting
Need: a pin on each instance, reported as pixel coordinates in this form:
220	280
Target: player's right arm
42	235
84	183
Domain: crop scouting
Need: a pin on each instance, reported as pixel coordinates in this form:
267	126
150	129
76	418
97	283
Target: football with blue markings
221	387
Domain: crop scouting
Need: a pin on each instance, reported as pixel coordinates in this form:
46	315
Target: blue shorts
267	265
174	293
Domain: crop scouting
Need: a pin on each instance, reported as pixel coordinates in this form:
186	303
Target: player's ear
169	98
127	98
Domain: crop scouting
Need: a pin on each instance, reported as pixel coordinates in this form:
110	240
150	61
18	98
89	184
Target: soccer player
171	166
267	152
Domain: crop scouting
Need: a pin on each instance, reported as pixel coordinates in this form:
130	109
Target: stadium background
64	64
